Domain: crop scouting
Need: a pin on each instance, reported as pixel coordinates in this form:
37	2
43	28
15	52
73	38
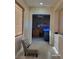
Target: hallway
24	11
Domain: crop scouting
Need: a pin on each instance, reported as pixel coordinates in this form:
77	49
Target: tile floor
43	48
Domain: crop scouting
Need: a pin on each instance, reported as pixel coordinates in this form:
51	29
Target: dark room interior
41	26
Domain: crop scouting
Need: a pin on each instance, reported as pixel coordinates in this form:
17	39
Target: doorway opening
41	26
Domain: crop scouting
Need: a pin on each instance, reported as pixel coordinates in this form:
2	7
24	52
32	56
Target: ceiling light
41	3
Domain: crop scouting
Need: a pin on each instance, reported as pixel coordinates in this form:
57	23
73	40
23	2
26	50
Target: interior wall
26	18
56	14
61	21
58	26
56	22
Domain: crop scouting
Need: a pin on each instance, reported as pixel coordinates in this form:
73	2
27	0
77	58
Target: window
19	15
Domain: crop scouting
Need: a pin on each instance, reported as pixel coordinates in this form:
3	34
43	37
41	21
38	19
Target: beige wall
58	22
58	26
61	21
60	46
26	20
56	15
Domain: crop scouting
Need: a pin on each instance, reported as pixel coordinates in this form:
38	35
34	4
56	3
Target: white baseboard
55	50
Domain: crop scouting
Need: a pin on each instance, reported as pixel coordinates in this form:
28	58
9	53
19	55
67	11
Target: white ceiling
36	3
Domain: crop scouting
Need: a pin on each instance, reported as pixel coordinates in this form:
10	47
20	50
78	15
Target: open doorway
41	26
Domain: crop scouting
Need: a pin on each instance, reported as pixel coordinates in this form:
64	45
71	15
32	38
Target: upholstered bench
27	51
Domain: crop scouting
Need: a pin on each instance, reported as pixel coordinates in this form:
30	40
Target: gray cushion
28	52
25	44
